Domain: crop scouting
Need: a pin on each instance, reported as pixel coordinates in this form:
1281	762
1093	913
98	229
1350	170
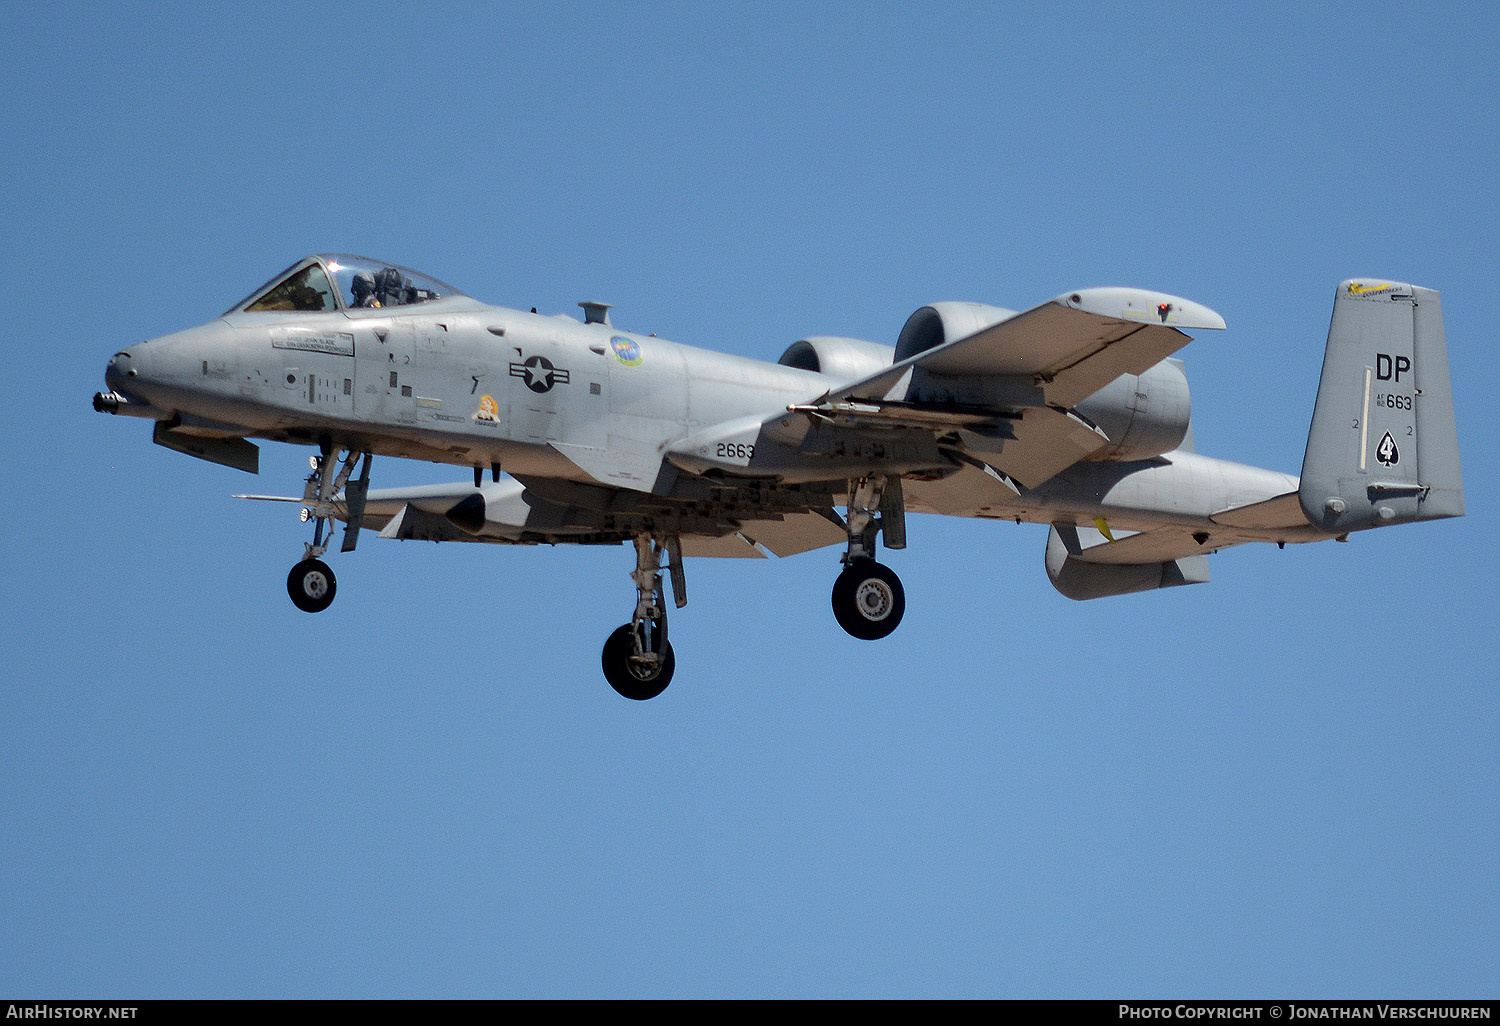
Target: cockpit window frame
275	281
309	281
323	260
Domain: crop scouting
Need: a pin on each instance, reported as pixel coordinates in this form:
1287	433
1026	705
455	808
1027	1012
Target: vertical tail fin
1383	448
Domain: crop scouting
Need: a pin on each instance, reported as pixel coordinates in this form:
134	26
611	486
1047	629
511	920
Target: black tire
868	600
311	585
625	676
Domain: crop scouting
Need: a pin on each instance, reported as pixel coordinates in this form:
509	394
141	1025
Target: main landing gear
311	583
638	660
868	600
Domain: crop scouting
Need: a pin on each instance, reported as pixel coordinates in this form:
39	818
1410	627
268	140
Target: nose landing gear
311	584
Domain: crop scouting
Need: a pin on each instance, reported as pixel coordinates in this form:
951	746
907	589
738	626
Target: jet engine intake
940	323
847	359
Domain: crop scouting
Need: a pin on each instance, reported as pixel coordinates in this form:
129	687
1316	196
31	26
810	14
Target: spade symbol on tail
1386	452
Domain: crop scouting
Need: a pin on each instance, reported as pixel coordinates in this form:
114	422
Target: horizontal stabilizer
1281	513
1076	576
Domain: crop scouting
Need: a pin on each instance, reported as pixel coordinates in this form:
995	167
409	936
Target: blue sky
1283	783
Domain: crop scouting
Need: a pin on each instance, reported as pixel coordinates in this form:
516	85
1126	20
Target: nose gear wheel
311	585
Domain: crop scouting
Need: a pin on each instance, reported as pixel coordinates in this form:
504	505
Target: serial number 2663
736	450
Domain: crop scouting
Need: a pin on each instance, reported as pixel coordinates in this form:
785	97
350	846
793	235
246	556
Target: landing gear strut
868	600
638	660
311	583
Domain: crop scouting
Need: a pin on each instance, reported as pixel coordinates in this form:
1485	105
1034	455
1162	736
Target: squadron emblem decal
1386	453
1369	288
626	350
539	373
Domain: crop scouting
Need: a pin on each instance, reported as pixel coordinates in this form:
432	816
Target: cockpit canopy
338	281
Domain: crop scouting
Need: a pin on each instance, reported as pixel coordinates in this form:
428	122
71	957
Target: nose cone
187	372
163	368
123	370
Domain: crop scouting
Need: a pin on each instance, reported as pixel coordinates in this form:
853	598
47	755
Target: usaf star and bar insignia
539	373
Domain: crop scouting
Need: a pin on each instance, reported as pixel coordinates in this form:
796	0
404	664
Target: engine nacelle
937	323
1144	415
847	359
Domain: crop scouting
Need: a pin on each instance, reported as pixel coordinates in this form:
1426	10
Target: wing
1004	396
1068	348
508	512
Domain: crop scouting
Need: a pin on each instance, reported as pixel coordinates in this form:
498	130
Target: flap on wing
1080	578
729	546
1027	446
1003	396
1046	443
794	533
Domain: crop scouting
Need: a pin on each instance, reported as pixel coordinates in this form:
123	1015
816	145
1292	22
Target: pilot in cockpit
384	288
392	288
364	284
362	289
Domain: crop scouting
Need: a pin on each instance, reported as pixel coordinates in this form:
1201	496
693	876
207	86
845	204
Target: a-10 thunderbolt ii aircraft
1071	414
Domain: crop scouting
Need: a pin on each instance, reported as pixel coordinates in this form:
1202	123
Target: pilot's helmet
388	284
362	287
